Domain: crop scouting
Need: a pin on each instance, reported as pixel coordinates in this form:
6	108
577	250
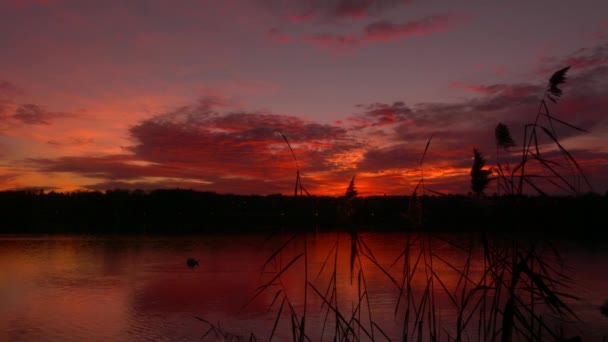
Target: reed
518	294
534	169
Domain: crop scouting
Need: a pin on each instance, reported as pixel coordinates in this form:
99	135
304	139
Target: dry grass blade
272	281
276	321
461	273
386	273
556	174
445	289
548	179
405	252
339	315
553	118
567	154
335	246
549	296
381	331
273	255
275	298
436	192
290	149
426	148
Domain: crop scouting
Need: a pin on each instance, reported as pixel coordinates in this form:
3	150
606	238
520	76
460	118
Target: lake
124	288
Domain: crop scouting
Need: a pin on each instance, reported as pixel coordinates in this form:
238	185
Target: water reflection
137	288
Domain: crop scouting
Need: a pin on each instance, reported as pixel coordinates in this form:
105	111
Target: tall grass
534	169
519	292
299	189
498	289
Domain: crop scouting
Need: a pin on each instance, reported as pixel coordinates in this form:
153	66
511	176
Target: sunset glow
195	94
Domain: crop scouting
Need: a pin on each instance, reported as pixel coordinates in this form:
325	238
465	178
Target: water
75	288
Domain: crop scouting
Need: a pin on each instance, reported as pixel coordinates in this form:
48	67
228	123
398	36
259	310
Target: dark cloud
380	114
32	114
12	114
331	9
507	90
71	141
399	156
250	141
385	31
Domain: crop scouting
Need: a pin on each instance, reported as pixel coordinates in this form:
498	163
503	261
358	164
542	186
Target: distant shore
191	212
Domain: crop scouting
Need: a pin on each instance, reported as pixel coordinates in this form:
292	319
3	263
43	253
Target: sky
194	94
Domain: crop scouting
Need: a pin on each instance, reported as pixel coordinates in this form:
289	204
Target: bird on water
191	262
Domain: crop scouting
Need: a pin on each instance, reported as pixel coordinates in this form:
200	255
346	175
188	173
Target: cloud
12	114
32	114
70	141
248	144
600	34
509	90
9	91
214	150
584	58
458	127
385	31
22	3
277	36
215	146
380	114
331	42
298	11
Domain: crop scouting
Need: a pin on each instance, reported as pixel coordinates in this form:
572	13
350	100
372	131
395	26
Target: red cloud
196	145
242	152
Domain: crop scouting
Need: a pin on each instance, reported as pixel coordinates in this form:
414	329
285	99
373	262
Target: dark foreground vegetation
187	211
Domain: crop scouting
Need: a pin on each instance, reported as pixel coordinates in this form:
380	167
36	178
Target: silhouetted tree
479	177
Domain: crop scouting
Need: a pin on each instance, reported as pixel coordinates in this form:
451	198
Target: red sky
192	94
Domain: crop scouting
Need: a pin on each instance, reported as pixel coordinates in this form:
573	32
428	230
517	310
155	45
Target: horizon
154	95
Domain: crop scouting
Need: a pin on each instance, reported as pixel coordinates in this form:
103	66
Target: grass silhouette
518	293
